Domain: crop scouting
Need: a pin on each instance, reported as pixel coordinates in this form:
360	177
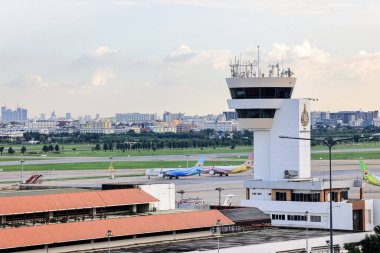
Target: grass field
349	146
85	151
116	165
347	156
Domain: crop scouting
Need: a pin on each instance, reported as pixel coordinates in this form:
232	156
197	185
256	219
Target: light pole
110	168
109	234
307	235
22	170
330	143
218	232
187	160
220	189
182	191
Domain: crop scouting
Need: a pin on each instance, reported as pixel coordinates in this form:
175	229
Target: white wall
376	212
261	194
293	244
262	155
342	212
290	154
165	193
369	220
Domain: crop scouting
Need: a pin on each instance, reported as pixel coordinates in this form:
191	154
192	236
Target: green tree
371	244
51	148
352	248
97	147
56	148
11	151
23	150
45	149
1	150
105	147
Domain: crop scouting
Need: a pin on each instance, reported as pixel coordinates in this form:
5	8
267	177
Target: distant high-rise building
68	115
18	115
170	117
97	116
43	116
230	115
135	117
53	116
351	118
87	117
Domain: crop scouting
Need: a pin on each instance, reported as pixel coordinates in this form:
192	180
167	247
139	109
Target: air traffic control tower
282	185
263	104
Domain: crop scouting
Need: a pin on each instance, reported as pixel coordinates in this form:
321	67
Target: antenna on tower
258	60
282	61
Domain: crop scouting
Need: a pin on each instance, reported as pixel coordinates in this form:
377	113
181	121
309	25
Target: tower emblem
304	117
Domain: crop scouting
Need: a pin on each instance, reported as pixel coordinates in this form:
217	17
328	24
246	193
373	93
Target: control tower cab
263	104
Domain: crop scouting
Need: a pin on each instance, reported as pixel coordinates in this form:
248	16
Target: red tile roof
86	230
66	201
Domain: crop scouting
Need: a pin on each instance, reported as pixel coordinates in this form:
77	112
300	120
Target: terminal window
306	197
297	217
314	218
281	196
278	216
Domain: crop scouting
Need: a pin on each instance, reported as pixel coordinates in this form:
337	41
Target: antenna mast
258	61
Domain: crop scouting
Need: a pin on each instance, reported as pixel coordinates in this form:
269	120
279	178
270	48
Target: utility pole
220	189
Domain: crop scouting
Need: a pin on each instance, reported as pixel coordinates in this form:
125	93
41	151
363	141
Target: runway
195	186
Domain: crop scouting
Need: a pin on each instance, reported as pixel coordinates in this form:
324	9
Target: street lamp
330	143
182	191
307	235
109	234
220	189
22	170
187	160
110	168
218	230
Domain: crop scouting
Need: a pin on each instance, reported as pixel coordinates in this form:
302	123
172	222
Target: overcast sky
151	56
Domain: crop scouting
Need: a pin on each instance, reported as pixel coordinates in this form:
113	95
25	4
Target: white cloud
215	58
305	51
104	51
284	7
102	77
30	80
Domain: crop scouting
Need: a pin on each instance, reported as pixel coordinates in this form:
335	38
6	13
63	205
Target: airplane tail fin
249	161
200	161
365	171
199	165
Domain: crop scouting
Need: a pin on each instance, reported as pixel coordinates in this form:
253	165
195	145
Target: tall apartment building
135	117
351	118
170	117
18	115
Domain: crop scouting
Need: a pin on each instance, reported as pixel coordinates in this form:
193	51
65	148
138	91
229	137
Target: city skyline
103	57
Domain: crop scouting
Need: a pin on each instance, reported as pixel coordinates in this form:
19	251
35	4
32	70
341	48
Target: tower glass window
255	93
255	113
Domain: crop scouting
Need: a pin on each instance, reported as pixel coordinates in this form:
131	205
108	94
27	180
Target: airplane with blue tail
177	172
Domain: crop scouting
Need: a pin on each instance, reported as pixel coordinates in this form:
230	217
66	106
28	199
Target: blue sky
151	56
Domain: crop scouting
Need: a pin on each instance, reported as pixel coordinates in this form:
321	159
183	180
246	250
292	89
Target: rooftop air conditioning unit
290	174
